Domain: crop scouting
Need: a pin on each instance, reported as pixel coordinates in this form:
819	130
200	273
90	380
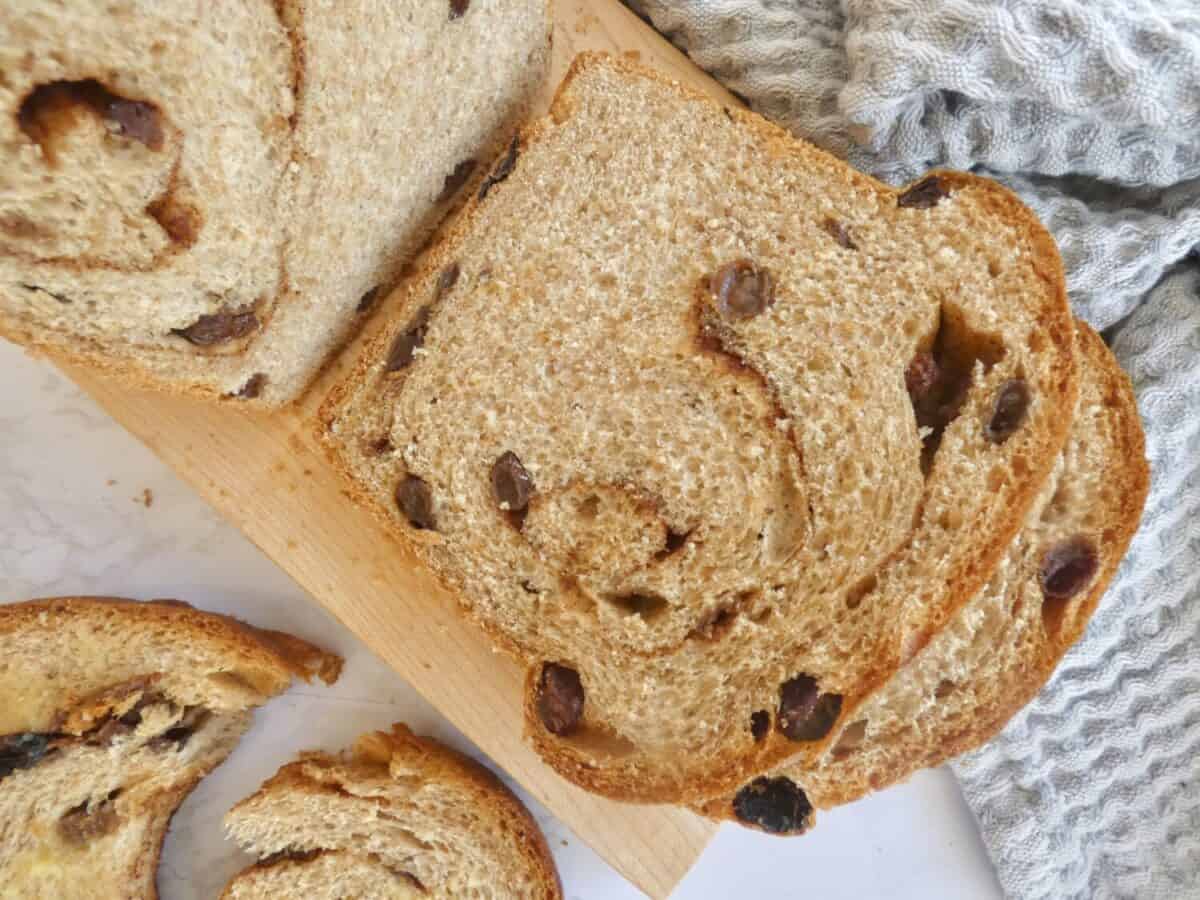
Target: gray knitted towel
1090	110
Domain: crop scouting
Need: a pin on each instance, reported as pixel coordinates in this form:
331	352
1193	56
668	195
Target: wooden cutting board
266	476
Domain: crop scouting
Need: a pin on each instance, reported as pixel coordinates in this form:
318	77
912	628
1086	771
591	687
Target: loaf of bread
208	196
110	712
399	816
709	430
1001	647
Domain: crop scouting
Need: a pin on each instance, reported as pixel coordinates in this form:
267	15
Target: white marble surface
74	520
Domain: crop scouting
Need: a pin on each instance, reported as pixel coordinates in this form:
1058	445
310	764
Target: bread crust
284	655
270	659
372	756
633	778
1127	472
186	371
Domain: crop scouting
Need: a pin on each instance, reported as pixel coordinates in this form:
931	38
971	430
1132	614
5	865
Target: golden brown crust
283	655
630	779
1129	477
372	756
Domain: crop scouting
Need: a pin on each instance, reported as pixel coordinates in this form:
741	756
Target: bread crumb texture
201	196
710	430
398	816
1002	646
111	712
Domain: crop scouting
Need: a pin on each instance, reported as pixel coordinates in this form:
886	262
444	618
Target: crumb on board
110	482
146	498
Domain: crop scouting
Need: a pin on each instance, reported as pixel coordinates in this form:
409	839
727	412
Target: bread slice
1002	647
398	816
208	196
110	712
698	421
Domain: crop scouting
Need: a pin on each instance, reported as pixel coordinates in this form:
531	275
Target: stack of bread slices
779	481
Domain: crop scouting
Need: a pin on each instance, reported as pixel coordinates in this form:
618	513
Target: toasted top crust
58	651
202	196
1003	646
397	805
716	504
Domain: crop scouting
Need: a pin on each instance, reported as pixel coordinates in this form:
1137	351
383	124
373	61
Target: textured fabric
1093	789
1090	110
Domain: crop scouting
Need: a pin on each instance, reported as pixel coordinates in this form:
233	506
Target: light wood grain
265	474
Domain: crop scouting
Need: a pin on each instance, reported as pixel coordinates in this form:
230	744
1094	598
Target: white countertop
86	509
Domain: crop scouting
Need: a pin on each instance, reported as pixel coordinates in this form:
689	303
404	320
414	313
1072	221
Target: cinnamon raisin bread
399	816
709	430
1002	647
208	196
110	712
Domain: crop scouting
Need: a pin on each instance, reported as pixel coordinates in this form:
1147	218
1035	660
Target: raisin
405	345
742	289
136	120
921	376
503	168
416	502
840	233
760	724
23	751
455	180
776	805
1067	568
512	485
1008	412
219	327
925	194
805	714
559	699
367	300
458	8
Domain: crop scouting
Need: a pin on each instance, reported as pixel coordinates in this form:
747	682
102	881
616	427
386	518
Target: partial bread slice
1002	647
110	712
723	502
398	816
208	196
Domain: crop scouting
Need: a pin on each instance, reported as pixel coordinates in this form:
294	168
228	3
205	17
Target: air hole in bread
52	109
850	739
939	376
647	607
675	542
854	596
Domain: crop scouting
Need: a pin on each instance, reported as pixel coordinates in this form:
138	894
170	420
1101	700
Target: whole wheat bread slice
1003	646
399	816
110	712
699	422
209	196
